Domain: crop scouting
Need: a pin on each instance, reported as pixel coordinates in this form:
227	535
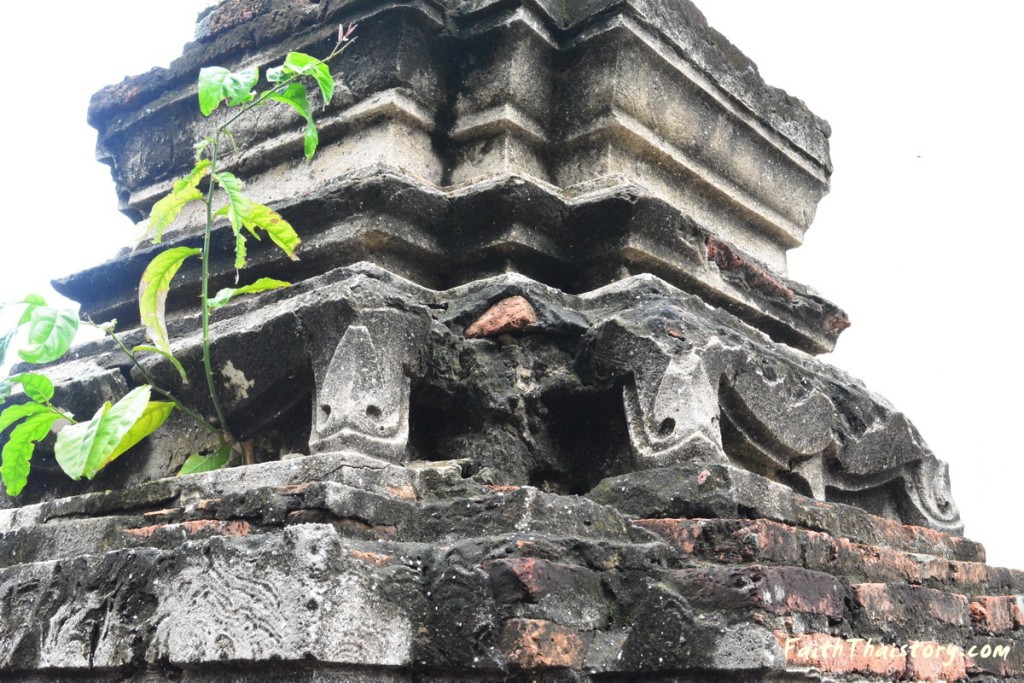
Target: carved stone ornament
541	402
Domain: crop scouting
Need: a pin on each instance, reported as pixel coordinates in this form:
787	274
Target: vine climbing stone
541	402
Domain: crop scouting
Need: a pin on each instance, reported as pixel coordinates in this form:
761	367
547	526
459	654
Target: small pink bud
702	477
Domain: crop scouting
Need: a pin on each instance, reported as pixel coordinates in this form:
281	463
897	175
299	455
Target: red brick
883	603
726	258
540	644
921	540
681	534
146	531
167	515
508	315
527	579
876	563
308	516
765	541
779	590
193	528
233	528
994	614
929	661
954	572
838	656
403	492
372	558
237	527
770	542
293	489
502	488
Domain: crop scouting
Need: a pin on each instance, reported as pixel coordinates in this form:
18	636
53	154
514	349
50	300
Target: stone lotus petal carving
670	403
362	391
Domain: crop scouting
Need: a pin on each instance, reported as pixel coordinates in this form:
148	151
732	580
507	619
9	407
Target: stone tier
628	135
346	568
509	223
532	386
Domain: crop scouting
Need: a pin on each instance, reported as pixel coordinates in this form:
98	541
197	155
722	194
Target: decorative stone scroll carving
694	385
694	389
401	373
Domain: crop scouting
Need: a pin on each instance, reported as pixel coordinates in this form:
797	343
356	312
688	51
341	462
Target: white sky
918	240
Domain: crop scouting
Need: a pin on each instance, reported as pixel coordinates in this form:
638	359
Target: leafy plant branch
82	449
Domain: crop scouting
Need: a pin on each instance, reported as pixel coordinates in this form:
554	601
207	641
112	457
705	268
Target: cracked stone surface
541	403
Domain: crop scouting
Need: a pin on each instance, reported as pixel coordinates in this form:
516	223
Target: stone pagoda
541	404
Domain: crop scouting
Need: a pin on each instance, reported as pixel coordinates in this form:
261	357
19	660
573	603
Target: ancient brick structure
542	403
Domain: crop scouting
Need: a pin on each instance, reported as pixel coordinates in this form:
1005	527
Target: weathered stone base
338	567
532	386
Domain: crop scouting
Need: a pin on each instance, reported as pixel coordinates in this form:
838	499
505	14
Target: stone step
915	556
444	238
998	614
240	486
726	492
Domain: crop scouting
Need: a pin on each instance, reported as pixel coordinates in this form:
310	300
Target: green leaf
237	203
169	357
18	450
310	139
243	212
50	334
39	388
295	95
14	413
279	74
153	289
264	284
280	231
34	301
206	463
217	84
182	192
5	343
83	449
155	414
311	66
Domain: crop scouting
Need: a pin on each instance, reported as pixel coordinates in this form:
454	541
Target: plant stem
199	419
54	409
208	231
225	435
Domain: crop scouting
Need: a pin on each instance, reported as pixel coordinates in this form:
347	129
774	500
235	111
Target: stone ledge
444	238
914	556
729	493
886	603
